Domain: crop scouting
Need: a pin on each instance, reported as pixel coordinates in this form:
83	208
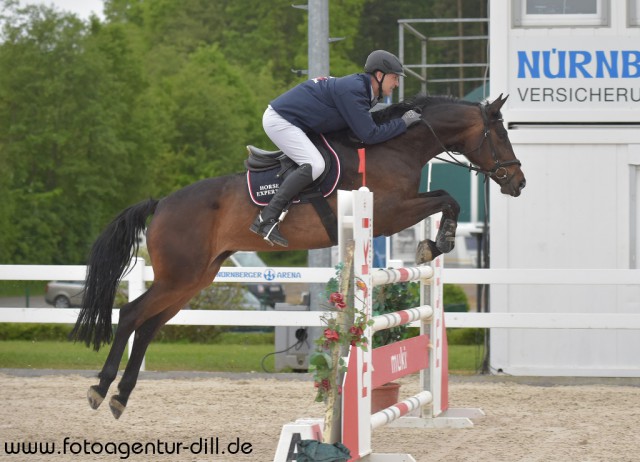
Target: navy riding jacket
326	105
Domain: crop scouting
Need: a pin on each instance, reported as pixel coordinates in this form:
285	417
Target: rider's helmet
387	63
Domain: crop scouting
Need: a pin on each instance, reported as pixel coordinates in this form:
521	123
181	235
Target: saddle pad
263	185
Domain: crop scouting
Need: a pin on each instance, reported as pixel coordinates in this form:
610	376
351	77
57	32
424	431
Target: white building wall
577	210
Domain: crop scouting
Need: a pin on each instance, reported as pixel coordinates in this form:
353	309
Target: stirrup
272	236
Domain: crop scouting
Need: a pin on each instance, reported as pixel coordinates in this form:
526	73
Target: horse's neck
419	143
449	126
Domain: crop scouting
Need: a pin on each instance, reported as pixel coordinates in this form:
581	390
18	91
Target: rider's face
390	82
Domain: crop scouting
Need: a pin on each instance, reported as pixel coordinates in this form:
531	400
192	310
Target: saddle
267	169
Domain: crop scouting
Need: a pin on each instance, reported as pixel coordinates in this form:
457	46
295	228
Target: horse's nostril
523	183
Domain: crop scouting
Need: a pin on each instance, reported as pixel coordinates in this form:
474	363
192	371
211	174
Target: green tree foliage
96	115
211	110
266	36
67	133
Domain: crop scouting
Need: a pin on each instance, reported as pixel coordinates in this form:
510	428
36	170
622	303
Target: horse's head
458	126
488	147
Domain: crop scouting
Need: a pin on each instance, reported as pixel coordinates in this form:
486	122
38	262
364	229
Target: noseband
499	170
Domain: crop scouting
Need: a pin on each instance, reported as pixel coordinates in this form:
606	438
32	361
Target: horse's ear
495	106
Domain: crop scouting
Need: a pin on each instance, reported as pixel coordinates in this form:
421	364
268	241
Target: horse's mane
418	101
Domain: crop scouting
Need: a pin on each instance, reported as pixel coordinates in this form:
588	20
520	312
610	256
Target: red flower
323	385
356	330
336	297
331	335
356	334
340	305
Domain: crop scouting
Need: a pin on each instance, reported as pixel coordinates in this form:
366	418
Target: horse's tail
109	258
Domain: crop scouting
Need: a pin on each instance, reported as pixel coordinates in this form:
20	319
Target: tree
210	114
65	108
97	115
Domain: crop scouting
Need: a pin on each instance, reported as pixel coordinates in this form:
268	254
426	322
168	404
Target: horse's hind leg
143	336
132	315
170	302
107	375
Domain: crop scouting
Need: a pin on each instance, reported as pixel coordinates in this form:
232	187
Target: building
572	72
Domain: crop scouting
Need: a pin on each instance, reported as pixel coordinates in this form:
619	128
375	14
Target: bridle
499	170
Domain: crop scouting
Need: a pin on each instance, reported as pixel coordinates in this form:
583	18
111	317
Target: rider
325	105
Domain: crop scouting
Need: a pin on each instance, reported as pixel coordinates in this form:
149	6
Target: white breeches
292	141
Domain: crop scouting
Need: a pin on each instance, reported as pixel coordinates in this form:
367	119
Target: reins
488	173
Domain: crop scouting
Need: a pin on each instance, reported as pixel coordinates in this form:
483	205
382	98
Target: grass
22	354
160	356
465	359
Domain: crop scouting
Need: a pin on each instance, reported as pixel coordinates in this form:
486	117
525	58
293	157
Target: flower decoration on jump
345	327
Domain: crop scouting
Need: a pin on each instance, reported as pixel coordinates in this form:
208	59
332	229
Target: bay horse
195	229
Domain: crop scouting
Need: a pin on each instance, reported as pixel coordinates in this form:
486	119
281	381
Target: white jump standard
426	353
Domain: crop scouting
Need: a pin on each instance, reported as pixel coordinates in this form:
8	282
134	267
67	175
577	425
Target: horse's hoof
94	397
446	238
117	408
426	252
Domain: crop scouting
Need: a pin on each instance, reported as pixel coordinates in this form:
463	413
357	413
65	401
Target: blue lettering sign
578	64
630	64
532	65
559	64
610	64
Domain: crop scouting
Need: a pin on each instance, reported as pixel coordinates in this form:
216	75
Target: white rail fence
140	274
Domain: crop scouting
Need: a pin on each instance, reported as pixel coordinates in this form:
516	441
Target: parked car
64	294
465	252
268	293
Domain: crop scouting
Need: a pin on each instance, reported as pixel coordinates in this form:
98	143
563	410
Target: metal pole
318	38
401	58
423	60
460	53
318	66
486	363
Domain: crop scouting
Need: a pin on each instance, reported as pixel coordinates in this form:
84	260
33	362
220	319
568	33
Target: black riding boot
267	221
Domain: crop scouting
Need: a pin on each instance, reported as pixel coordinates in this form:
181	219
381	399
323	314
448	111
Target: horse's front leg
445	239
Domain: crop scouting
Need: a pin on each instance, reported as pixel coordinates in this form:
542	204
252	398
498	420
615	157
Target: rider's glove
411	117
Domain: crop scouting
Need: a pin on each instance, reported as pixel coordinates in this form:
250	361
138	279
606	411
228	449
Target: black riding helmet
385	62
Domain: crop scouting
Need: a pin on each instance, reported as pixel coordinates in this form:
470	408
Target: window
634	12
561	13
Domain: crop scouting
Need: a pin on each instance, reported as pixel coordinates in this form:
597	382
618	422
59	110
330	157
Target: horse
193	230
